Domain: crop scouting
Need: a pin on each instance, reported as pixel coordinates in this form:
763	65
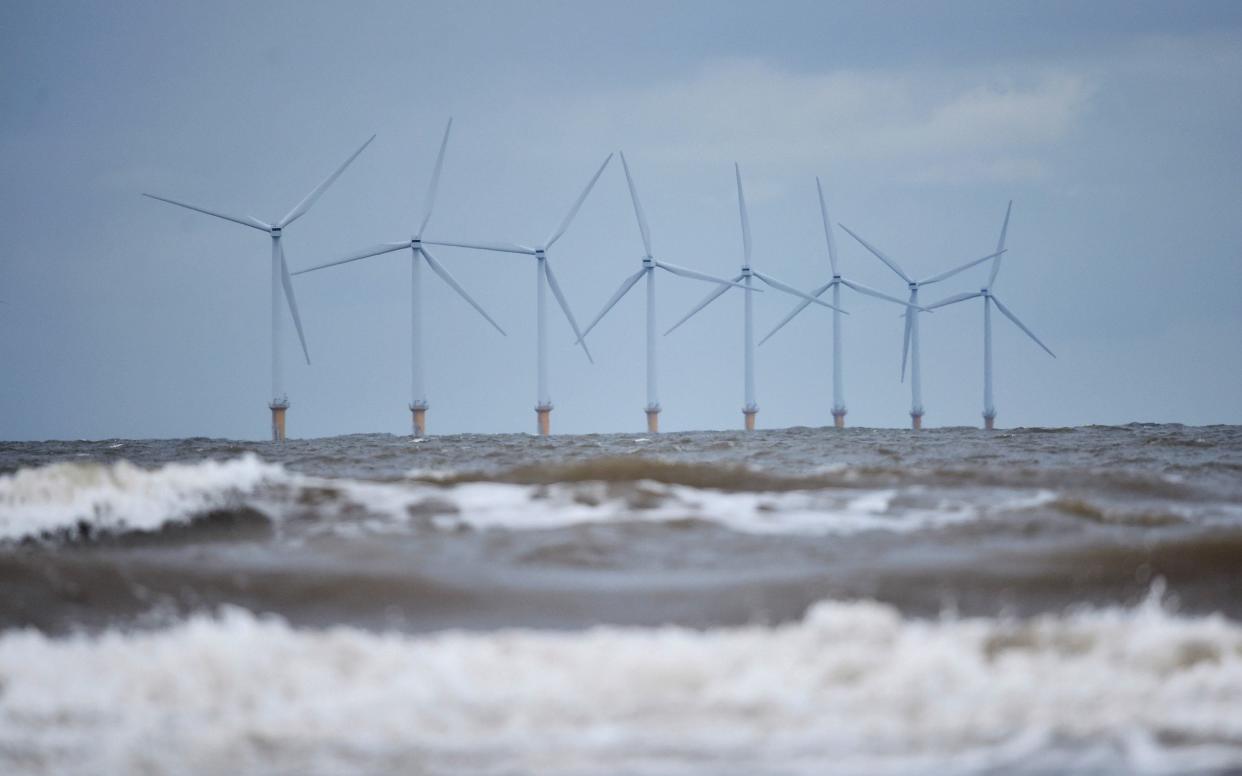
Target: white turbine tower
280	280
418	254
650	264
838	380
989	299
544	279
911	344
750	408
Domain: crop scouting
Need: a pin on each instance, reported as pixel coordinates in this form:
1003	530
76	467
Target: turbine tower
544	279
649	266
418	254
989	299
280	280
838	379
911	344
750	408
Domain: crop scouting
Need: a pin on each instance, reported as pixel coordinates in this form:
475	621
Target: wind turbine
418	254
989	299
544	279
280	279
911	344
750	408
838	391
649	266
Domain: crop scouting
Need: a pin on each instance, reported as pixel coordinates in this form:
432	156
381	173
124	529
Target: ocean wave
82	499
508	506
731	476
1119	515
76	501
634	468
851	687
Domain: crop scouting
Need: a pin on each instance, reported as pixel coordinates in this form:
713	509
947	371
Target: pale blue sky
1113	127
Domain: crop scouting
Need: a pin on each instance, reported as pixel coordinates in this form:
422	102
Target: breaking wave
851	687
497	505
82	499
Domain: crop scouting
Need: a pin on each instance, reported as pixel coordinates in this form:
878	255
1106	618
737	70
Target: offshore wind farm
968	270
546	281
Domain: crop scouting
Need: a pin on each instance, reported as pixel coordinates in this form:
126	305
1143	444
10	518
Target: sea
797	601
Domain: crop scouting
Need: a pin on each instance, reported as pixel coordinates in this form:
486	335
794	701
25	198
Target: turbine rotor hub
648	262
275	230
541	254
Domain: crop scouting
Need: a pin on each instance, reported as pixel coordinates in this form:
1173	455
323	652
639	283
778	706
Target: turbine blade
689	273
638	208
741	207
953	300
254	223
500	247
860	288
376	250
560	298
447	277
876	252
832	242
788	289
1000	245
711	297
287	282
430	199
797	309
964	267
573	211
1021	325
626	285
905	347
300	209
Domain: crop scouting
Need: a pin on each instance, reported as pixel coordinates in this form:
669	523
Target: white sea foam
496	505
122	496
853	687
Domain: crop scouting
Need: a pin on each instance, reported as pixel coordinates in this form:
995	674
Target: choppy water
795	601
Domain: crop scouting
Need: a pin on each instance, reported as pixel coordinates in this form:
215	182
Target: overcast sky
1114	127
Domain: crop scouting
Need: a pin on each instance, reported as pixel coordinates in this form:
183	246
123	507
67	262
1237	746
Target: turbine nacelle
274	231
648	262
541	253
